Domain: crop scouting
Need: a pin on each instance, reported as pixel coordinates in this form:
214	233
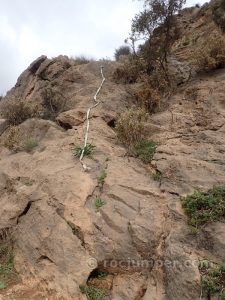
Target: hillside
120	227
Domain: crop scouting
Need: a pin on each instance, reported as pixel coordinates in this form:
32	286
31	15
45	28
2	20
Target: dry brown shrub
148	94
53	103
11	138
8	275
130	127
210	55
148	97
81	60
122	51
191	94
16	111
128	72
151	90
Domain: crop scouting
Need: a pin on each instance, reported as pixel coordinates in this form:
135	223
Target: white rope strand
86	168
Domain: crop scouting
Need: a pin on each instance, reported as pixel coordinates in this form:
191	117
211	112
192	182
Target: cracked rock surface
49	201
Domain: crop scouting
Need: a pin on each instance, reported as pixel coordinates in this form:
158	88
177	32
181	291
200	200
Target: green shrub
82	59
7	271
202	207
123	50
102	177
7	266
130	127
101	274
210	284
204	264
157	176
93	293
212	279
222	267
88	150
145	150
30	144
98	202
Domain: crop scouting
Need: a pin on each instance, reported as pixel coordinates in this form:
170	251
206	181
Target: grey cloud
31	28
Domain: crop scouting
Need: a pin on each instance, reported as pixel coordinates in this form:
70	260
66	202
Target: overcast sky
30	28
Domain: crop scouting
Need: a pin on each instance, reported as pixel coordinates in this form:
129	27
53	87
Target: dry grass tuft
16	111
11	138
210	55
130	127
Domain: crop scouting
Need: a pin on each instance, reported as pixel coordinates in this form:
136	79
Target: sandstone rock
71	118
52	251
49	201
155	287
180	71
180	261
36	64
129	287
216	233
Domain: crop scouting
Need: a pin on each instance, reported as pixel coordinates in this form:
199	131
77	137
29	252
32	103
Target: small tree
123	50
156	26
218	10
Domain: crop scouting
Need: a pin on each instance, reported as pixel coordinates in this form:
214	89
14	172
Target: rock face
180	71
139	236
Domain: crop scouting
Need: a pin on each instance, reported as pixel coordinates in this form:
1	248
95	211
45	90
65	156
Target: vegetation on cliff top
202	207
212	279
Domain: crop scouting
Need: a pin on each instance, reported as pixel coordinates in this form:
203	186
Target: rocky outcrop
180	71
139	237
